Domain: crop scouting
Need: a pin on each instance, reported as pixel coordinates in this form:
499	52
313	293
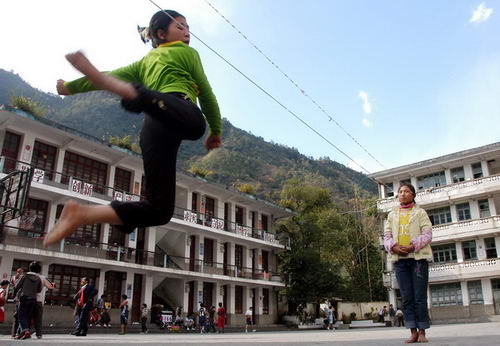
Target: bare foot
421	336
101	80
71	217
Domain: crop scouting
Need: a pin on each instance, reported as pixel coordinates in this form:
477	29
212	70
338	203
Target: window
457	174
477	170
265	222
469	250
431	180
208	254
238	299
389	190
40	209
238	256
44	157
10	150
444	253
490	247
475	292
85	235
194	202
239	215
67	280
253	216
265	301
113	282
446	294
209	207
439	216
122	180
265	261
463	211
81	167
484	208
116	236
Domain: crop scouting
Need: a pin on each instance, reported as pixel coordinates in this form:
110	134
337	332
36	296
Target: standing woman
123	314
221	318
4	286
407	239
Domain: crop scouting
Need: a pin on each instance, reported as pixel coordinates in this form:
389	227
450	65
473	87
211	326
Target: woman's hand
409	249
61	88
213	141
400	250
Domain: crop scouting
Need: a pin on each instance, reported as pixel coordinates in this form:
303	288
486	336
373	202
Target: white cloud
481	14
367	122
367	107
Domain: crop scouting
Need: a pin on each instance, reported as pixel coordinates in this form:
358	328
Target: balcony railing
17	237
428	195
465	227
87	188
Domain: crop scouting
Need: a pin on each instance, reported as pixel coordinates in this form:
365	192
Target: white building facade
461	194
219	247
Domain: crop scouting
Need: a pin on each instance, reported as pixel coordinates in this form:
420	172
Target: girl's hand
61	89
400	250
409	249
213	141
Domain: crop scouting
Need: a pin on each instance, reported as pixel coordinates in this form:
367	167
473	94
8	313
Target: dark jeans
413	279
38	316
82	325
169	119
15	320
25	312
144	327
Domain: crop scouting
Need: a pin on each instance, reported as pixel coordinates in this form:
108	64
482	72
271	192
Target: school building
220	246
461	194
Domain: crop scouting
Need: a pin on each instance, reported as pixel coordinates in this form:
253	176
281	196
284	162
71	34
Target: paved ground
453	335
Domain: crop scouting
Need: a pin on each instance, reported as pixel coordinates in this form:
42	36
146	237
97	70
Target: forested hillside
244	160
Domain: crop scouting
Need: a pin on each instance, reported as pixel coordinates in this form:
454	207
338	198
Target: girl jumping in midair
165	85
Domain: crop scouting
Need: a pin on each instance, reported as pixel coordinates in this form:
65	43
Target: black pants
169	119
144	327
25	311
82	326
38	316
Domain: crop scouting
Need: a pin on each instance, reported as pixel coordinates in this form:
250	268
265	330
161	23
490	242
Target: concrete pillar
26	147
111	180
259	260
185	299
453	211
258	301
460	253
448	177
413	180
148	289
465	293
105	230
474	209
129	288
101	283
198	294
481	250
51	219
45	269
485	168
200	252
497	245
493	209
392	297
429	298
468	171
6	263
231	255
383	192
189	199
59	164
230	303
247	298
487	291
217	295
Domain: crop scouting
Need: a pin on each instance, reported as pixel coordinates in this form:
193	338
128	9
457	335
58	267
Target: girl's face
405	195
177	31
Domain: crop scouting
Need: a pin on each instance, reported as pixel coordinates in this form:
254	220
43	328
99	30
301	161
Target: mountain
244	159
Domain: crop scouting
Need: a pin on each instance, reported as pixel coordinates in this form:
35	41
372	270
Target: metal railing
33	240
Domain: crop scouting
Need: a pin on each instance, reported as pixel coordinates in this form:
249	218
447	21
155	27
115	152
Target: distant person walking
407	239
221	318
124	314
84	304
392	315
249	320
144	318
40	299
27	288
400	318
202	318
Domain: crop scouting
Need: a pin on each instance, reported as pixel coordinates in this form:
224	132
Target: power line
267	93
302	91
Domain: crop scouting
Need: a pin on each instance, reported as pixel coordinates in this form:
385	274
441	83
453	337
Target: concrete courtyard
456	334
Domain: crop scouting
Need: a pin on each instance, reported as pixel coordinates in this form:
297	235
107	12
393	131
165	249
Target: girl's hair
124	296
411	187
161	20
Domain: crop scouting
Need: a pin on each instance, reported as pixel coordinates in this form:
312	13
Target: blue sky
410	80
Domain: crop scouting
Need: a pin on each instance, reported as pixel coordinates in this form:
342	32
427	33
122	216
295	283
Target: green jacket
171	67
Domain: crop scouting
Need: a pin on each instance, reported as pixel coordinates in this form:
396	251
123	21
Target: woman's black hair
411	187
124	296
161	20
